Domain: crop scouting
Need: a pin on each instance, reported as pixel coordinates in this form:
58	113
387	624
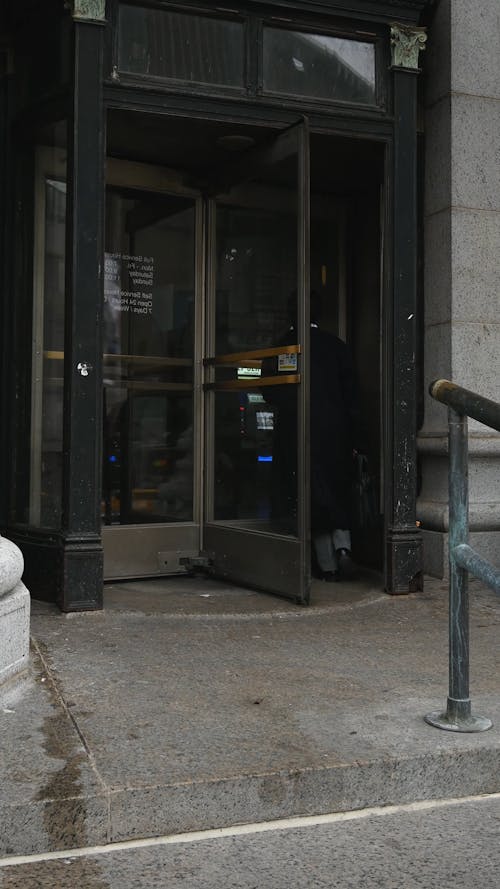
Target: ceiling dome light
235	142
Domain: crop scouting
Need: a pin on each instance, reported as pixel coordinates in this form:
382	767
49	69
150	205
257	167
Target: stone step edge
136	812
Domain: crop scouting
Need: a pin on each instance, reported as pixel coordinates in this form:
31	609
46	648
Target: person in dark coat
333	434
333	423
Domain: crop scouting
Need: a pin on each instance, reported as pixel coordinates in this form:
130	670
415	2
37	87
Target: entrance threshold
203	597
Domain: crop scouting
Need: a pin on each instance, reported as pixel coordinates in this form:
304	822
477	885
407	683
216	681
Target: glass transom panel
174	45
318	66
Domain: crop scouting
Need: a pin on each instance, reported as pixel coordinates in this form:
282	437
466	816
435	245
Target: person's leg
342	539
326	556
342	544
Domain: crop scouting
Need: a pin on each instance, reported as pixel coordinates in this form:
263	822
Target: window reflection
148	359
318	66
255	448
47	389
256	274
48	509
256	459
198	49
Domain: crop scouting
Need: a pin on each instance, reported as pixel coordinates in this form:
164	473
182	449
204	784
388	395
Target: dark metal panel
232	557
371	10
343	121
54	565
151	97
82	581
82	558
146	550
361	7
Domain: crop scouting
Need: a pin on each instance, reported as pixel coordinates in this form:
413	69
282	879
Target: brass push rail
463	560
252	358
258	355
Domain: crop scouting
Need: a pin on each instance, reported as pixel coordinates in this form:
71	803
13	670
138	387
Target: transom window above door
180	46
318	66
228	51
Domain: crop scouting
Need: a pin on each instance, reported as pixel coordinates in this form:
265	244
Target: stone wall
462	261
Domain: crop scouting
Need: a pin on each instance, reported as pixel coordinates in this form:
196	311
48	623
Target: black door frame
69	562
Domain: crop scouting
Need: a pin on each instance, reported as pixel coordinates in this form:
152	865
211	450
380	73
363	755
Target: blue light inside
112	459
261	459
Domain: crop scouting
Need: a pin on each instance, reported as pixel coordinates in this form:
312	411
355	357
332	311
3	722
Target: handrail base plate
471	724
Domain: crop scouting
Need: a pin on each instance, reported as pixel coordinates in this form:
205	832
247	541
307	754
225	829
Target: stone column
462	247
14	612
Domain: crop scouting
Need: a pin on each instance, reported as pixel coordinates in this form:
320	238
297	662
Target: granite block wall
462	261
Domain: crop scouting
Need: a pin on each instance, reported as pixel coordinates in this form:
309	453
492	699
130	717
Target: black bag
365	508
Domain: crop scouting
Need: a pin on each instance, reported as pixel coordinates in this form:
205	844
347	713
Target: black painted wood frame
80	586
403	558
73	559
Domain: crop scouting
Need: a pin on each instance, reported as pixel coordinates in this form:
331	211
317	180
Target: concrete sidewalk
189	704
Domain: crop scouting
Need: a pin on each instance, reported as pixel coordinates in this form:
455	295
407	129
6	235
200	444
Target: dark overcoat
333	435
333	414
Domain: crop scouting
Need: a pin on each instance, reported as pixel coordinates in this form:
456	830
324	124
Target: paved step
191	706
453	845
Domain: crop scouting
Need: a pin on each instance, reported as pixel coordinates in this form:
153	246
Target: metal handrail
467	403
462	403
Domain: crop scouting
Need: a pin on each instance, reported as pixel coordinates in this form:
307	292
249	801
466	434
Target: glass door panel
256	419
149	300
256	525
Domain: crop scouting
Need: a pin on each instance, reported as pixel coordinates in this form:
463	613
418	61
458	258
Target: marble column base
486	543
14	632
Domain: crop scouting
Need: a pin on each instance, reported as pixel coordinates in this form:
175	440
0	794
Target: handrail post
459	705
458	716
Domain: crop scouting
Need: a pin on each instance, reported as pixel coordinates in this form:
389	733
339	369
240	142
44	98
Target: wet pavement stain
76	873
65	811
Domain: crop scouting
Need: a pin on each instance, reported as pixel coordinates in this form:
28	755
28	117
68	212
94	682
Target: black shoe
347	568
330	576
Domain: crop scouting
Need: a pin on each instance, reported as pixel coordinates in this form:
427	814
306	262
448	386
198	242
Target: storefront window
46	428
149	310
318	66
194	48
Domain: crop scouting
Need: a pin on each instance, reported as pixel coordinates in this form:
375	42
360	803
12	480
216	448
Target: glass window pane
318	66
148	358
256	274
255	429
198	49
255	471
48	337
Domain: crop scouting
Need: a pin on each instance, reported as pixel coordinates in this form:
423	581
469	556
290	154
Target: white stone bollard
14	612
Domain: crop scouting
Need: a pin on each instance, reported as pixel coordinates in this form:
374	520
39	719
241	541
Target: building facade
175	180
462	249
